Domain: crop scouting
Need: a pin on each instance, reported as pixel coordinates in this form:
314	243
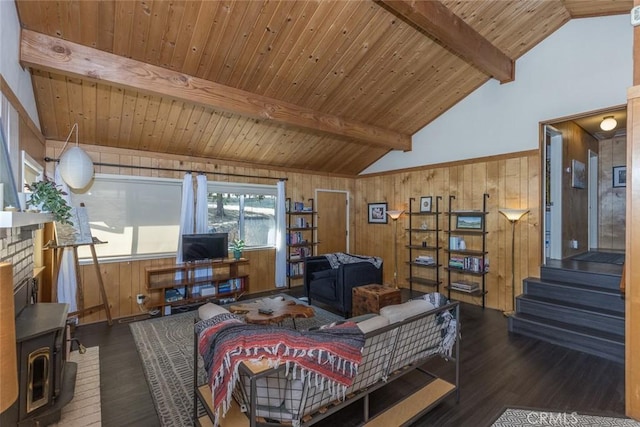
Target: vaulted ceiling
326	86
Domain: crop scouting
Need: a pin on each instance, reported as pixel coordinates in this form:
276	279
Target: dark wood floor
498	370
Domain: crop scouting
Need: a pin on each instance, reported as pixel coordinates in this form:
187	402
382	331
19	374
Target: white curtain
67	283
202	206
186	212
202	219
281	247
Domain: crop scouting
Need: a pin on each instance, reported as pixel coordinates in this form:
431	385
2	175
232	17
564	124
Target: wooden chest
371	298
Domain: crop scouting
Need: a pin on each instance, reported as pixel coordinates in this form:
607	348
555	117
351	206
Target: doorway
333	221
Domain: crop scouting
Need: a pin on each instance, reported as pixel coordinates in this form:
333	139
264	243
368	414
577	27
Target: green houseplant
48	197
237	246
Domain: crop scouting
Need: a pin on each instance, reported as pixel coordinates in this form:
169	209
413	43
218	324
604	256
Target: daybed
284	388
330	278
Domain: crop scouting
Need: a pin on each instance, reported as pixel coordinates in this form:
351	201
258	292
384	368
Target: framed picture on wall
619	176
425	204
578	174
377	213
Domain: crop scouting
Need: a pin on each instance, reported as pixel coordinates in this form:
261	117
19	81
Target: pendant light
76	167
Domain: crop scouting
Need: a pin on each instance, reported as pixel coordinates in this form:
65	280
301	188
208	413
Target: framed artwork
377	213
578	174
425	204
619	176
469	222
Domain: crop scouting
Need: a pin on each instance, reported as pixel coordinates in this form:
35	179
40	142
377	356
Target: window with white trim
245	211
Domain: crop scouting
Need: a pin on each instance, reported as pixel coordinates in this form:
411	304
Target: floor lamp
394	215
513	215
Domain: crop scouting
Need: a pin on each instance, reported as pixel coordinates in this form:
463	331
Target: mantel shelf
23	219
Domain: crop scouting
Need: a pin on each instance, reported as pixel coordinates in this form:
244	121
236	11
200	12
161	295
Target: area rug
528	417
165	345
84	410
603	257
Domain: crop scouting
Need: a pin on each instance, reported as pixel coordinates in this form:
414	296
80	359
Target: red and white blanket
328	356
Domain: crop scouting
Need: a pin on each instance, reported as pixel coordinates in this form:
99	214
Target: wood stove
46	380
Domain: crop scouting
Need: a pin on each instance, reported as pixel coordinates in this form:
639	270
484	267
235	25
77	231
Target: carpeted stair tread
577	286
574	306
574	329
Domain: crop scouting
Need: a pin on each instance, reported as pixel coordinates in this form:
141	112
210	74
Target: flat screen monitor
198	247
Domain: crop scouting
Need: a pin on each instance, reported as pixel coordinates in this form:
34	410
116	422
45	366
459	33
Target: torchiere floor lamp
513	215
394	215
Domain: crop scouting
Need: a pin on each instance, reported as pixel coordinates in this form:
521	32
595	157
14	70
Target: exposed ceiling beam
435	19
59	56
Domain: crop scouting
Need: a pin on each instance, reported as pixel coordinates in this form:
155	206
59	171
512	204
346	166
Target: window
138	216
244	211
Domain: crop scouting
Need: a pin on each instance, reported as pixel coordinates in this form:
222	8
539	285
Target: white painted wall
18	79
586	65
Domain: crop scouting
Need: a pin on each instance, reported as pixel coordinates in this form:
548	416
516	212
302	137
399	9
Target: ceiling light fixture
608	123
76	167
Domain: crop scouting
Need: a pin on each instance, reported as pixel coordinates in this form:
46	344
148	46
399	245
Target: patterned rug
165	345
529	417
84	408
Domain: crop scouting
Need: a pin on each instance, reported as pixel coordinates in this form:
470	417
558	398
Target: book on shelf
172	295
295	238
207	290
299	253
295	269
465	285
469	263
425	259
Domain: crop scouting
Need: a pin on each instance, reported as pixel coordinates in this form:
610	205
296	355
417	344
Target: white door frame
593	200
347	198
553	222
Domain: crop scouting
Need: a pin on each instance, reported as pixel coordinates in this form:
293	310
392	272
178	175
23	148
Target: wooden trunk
371	298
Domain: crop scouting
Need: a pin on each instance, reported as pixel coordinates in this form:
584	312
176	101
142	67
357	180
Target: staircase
581	310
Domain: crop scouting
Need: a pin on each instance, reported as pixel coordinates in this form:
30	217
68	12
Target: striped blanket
328	356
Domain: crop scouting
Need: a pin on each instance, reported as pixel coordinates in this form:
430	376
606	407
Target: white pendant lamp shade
76	167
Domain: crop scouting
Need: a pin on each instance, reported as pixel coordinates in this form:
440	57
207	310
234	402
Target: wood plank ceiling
324	86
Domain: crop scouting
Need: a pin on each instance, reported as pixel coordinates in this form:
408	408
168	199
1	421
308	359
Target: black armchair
333	286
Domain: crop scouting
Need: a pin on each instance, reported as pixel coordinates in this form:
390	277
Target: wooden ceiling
324	86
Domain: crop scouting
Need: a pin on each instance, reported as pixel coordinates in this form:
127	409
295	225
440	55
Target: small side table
371	298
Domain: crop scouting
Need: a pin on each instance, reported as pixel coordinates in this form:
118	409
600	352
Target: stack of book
465	286
424	260
172	295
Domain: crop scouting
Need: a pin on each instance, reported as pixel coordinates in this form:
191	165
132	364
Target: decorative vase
237	254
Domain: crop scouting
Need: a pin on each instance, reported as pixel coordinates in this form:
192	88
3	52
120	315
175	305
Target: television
198	247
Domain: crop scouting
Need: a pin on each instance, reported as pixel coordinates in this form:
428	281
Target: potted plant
48	197
237	245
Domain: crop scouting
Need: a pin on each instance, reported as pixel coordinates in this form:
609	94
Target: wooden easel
59	250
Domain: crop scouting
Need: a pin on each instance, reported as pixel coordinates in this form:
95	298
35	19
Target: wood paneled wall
612	201
124	280
576	144
511	181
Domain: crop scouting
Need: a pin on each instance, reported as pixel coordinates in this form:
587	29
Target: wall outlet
140	298
574	244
